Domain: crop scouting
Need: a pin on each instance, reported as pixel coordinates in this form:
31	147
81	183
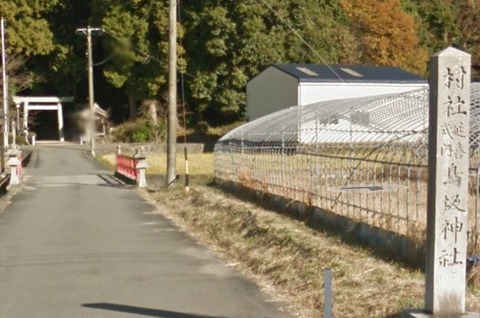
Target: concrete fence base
385	243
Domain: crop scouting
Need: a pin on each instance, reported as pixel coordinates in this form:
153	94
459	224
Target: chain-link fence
365	159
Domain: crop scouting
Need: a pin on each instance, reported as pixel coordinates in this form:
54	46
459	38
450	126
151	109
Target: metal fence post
327	305
283	159
476	208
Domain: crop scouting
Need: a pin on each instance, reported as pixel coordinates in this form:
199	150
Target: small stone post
119	150
447	207
142	166
13	163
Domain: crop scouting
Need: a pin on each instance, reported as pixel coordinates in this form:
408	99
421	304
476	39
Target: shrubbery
20	140
139	130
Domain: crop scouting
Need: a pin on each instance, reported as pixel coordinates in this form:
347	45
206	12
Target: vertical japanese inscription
454	149
448	182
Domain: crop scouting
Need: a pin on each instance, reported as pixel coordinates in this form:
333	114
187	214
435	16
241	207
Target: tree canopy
224	43
387	35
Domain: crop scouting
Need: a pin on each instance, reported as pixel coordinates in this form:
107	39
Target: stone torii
26	103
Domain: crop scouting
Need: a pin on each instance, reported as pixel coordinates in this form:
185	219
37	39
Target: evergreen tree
28	30
228	42
137	43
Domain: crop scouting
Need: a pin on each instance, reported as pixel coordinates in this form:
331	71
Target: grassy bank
290	258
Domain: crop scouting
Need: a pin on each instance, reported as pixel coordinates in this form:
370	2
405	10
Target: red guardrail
127	166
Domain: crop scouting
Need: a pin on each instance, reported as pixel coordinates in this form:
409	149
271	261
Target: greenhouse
365	159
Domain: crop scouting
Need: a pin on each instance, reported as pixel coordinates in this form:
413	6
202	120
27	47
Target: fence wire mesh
364	158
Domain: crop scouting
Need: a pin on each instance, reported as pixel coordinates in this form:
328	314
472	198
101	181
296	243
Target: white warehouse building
281	86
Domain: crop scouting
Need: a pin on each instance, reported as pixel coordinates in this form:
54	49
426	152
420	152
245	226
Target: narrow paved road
75	243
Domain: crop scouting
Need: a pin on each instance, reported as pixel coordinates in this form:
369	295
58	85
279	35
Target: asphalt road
76	243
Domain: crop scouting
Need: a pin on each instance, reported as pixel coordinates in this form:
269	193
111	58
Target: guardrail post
14	163
141	167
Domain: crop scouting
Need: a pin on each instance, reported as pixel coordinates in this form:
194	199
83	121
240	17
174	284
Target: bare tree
19	78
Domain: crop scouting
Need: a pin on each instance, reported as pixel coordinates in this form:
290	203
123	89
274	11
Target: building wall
271	91
310	93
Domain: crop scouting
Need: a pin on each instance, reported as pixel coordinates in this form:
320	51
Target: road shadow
143	311
112	181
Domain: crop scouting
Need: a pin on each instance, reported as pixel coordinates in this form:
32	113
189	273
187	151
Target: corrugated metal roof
349	74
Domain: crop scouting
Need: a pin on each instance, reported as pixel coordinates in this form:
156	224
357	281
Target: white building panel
284	85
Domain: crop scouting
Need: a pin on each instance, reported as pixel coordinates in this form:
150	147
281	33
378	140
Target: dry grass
315	180
285	253
401	211
199	163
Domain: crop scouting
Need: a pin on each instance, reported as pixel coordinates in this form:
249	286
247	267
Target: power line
301	38
144	16
181	44
104	61
128	43
149	55
182	81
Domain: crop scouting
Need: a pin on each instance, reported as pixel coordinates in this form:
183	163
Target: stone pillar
119	150
17	107
13	162
104	128
61	134
14	134
142	166
447	207
25	118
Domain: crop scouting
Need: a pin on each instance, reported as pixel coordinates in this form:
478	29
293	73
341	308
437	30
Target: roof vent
351	72
307	71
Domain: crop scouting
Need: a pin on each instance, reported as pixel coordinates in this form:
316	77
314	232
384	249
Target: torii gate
41	103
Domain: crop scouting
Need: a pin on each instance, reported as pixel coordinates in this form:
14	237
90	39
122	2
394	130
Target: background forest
222	44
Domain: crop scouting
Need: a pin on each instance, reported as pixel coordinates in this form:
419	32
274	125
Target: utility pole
172	97
5	96
91	100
